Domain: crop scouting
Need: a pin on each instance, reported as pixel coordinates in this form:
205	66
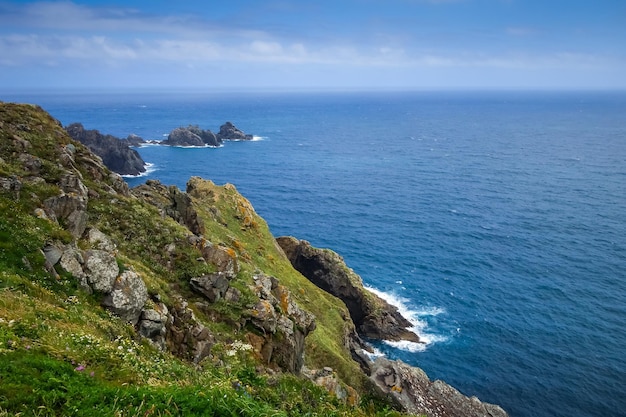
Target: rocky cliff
115	153
156	299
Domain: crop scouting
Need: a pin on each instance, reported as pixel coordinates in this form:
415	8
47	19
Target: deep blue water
497	219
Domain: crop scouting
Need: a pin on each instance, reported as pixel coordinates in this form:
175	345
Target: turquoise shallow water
495	219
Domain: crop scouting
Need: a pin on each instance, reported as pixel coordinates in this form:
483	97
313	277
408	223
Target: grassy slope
62	354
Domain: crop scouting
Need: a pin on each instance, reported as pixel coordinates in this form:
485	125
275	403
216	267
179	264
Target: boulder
127	296
72	261
416	394
99	240
212	286
101	270
224	259
373	317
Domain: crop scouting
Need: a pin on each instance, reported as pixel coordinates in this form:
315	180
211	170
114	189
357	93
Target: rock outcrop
229	131
115	153
416	394
374	317
282	325
194	136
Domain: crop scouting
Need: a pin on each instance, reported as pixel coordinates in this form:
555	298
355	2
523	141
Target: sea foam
416	317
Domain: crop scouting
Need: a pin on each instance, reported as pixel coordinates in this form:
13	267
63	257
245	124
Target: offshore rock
115	153
191	136
416	394
229	131
373	317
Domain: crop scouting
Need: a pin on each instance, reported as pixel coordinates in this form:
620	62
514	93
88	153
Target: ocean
495	220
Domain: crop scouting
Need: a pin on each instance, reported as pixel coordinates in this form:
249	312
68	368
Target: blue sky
346	44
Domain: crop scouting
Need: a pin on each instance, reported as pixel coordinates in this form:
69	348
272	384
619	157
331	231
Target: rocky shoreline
214	260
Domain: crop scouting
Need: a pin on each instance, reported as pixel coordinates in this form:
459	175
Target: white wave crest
150	168
415	316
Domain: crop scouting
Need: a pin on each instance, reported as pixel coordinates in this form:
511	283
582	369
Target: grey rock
127	297
53	254
70	183
99	240
153	325
30	163
229	131
68	208
72	262
232	295
212	286
416	394
101	270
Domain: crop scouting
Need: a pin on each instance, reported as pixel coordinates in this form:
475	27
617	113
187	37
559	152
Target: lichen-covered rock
373	316
411	389
284	325
72	261
186	337
127	296
99	240
101	270
212	286
224	259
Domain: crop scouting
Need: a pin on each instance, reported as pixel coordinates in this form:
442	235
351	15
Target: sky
324	44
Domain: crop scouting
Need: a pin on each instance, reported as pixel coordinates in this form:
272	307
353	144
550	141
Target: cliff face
157	288
374	317
115	153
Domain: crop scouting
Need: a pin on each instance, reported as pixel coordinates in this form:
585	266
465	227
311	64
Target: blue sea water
496	219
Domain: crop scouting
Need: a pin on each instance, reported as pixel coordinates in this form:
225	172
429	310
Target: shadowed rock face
115	153
373	317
